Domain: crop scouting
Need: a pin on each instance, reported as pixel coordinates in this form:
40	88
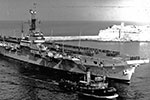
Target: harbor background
15	85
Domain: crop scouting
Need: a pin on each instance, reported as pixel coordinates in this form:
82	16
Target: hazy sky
126	10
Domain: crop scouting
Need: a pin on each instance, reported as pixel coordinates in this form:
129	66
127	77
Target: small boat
97	88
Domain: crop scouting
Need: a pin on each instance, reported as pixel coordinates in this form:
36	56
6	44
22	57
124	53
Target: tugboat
97	88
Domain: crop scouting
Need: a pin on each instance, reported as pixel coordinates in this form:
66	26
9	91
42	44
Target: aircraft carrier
33	49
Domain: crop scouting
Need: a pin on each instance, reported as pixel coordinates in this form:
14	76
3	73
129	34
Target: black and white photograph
74	50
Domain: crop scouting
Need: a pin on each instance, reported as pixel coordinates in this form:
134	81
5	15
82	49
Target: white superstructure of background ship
125	33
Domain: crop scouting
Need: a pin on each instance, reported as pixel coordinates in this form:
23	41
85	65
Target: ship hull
114	67
53	74
27	58
120	73
28	65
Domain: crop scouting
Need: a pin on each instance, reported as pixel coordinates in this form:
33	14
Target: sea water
16	84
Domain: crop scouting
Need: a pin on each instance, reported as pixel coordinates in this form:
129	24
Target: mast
22	31
79	40
33	18
88	76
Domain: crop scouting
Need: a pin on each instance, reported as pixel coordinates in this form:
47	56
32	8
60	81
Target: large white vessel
125	33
